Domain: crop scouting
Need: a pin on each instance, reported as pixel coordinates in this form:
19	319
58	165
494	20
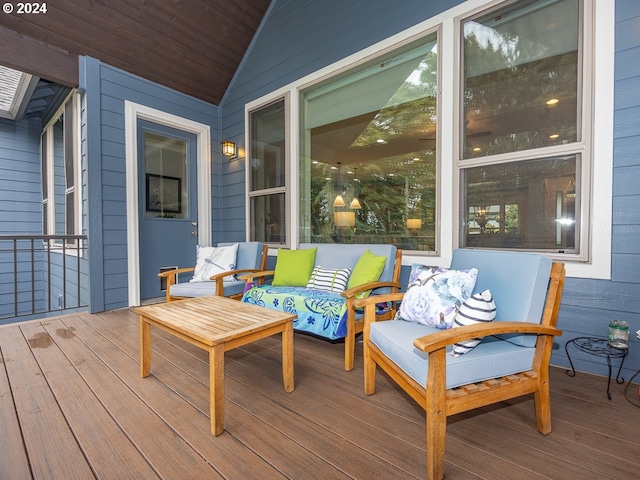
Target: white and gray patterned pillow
329	279
480	307
213	260
433	293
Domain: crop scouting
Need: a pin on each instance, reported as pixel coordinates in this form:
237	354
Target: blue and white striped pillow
329	279
478	308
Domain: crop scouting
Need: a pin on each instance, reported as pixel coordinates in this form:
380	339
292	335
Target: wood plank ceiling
193	46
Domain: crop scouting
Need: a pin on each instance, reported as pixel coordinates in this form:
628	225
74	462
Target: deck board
71	391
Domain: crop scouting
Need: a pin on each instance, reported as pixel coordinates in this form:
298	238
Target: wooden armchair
251	257
422	365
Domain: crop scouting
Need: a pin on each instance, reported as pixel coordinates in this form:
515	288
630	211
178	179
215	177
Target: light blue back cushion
333	255
492	358
518	282
249	254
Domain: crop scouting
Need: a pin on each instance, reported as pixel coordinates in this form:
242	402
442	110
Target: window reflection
527	205
368	158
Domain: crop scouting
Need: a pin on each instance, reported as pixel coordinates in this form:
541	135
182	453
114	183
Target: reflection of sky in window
542	29
400	96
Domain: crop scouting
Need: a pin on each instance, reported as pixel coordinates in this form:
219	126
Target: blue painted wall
107	88
20	211
297	38
21	214
20	196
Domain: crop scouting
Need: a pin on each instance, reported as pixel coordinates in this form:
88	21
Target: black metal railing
42	273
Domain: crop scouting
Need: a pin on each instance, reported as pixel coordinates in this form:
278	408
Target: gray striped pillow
329	279
478	308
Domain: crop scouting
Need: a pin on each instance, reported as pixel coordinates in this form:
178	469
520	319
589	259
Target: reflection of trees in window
386	132
522	80
513	67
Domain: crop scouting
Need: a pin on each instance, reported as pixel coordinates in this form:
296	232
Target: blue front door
168	203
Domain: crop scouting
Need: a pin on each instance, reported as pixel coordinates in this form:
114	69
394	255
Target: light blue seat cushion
249	256
518	282
200	289
492	358
331	255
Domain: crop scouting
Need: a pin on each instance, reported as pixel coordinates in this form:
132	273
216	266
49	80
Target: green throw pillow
294	267
368	269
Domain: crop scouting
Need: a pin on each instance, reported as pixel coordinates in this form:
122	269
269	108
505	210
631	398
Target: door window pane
525	205
521	78
368	157
165	176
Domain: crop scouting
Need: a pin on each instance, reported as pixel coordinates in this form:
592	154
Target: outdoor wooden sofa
325	314
251	257
511	360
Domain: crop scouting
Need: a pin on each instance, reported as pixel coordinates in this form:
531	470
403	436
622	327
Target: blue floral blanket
319	312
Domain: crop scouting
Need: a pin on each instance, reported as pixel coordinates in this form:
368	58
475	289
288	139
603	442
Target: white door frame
132	113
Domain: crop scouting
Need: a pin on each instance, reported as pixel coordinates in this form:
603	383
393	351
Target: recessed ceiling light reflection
554	136
552	101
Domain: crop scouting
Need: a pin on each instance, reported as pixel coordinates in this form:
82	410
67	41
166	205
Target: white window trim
600	211
290	188
77	188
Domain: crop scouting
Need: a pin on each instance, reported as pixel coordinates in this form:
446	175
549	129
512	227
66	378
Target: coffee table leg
145	347
216	386
287	357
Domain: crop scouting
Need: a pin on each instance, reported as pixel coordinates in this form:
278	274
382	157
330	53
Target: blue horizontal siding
20	197
298	38
107	89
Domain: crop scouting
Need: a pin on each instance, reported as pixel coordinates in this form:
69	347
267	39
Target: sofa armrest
439	340
370	301
353	291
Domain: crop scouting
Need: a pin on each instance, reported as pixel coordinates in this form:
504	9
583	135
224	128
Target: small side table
600	348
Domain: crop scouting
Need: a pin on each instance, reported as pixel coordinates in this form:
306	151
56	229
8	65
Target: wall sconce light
228	148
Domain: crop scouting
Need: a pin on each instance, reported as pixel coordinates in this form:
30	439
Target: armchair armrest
439	340
172	276
219	278
258	274
170	273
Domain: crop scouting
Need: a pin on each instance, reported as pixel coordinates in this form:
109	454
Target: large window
267	174
368	162
59	159
521	148
491	129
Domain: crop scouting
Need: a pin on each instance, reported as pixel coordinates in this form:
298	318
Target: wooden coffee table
216	324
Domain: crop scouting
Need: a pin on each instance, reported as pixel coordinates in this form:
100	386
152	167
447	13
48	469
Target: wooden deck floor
73	406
